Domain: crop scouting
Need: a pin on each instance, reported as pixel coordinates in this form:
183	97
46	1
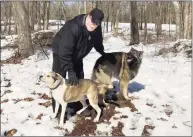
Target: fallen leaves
10	133
117	131
39	117
174	126
149	104
146	130
7	91
124	116
80	129
46	104
125	103
46	97
28	99
163	119
4	101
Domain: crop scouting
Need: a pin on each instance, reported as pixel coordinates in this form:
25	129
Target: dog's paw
61	124
78	112
131	98
53	116
96	120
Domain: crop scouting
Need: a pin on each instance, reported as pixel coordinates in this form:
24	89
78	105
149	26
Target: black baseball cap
97	16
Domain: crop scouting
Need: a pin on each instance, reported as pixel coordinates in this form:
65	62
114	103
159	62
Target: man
74	41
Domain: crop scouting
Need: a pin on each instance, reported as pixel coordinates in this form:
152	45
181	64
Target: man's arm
66	49
100	48
99	41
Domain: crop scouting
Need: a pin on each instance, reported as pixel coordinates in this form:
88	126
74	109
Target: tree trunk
97	4
85	2
190	20
169	9
103	29
181	19
117	21
107	21
35	10
64	11
158	19
134	24
177	12
79	6
46	14
145	26
10	15
38	16
6	17
186	22
113	16
31	14
141	16
24	37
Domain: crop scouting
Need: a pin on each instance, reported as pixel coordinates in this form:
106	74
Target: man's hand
73	80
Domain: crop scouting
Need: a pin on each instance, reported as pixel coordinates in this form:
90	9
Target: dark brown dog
125	68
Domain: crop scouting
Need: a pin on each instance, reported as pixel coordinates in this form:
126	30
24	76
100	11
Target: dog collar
56	86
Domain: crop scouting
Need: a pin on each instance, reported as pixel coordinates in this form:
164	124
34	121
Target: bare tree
141	15
117	21
158	23
134	24
85	6
7	17
63	10
186	22
46	14
189	20
107	17
78	6
145	22
24	37
31	14
113	16
177	12
38	15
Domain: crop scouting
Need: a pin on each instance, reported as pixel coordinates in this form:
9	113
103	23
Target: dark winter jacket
73	42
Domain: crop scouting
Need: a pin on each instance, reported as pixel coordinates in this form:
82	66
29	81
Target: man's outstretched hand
73	80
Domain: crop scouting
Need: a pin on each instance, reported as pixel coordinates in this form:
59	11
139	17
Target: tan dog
64	93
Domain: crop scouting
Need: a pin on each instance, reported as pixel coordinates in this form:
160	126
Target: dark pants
56	67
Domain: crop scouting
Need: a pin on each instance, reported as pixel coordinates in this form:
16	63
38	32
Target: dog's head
134	58
52	79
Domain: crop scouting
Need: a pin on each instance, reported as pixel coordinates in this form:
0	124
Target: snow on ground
163	86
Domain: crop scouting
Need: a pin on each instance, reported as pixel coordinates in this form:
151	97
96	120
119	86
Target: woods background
25	18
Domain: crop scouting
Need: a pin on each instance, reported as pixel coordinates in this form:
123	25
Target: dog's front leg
56	109
124	89
64	105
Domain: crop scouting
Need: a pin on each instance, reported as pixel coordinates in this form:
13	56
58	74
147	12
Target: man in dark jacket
74	41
